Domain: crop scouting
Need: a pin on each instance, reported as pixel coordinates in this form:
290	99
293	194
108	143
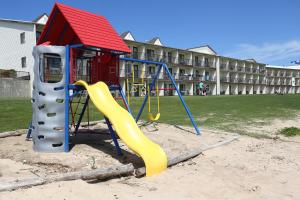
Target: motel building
221	75
17	39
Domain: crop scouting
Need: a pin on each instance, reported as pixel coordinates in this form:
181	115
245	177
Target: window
206	63
164	59
135	53
128	69
181	72
22	38
196	60
169	57
37	35
136	71
207	77
181	59
50	67
23	62
150	54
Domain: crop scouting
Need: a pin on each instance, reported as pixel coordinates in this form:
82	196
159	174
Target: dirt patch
249	168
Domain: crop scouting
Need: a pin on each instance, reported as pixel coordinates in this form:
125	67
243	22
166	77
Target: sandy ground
248	168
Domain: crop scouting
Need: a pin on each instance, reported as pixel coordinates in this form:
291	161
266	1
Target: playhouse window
50	68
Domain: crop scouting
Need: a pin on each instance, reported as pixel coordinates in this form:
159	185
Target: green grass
228	113
290	131
15	113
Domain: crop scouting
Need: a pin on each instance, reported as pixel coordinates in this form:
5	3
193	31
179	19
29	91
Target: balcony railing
185	76
248	70
271	83
234	80
225	79
262	71
262	81
242	80
249	81
198	77
210	79
256	71
209	64
256	81
198	64
185	61
232	68
223	66
241	69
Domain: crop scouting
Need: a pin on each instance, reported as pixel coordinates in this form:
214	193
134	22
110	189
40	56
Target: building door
182	89
206	76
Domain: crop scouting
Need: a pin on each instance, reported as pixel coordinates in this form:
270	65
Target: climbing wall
48	99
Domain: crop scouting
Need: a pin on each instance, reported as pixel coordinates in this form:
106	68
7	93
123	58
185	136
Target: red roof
67	25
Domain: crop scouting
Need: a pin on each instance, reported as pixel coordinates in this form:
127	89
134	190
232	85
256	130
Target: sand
248	168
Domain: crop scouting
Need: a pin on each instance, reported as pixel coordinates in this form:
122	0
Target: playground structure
77	59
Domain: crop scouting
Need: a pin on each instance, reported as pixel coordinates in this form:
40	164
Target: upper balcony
209	64
184	61
249	70
210	79
223	66
198	77
232	67
256	70
185	76
225	79
234	80
241	69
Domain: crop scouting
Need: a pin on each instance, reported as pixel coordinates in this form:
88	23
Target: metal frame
67	98
82	113
69	86
165	67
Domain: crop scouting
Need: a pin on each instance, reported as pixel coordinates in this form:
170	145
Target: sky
266	30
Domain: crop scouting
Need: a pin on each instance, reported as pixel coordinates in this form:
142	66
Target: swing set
152	85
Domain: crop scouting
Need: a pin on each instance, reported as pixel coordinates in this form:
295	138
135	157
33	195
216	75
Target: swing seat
152	117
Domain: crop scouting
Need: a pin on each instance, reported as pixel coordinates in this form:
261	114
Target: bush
290	131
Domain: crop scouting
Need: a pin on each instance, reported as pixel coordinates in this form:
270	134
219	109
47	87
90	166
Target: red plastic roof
67	25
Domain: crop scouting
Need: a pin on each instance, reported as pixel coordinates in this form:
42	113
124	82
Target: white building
223	75
17	39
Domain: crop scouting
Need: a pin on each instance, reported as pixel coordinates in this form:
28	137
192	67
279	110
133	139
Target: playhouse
78	55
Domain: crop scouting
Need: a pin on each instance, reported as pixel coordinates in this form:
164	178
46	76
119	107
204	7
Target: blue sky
265	30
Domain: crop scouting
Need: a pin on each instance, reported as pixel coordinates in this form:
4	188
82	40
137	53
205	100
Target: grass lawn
222	112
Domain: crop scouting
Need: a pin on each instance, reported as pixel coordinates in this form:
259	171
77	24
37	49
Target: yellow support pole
128	93
149	97
132	69
157	95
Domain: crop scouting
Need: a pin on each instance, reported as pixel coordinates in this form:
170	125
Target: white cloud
268	52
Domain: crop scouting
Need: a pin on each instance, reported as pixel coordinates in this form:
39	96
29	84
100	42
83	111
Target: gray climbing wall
48	104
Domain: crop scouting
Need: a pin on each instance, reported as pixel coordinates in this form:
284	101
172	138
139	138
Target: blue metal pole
141	61
146	96
125	100
82	113
67	75
28	136
113	135
182	100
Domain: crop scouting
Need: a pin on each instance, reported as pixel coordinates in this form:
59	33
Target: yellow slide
153	155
